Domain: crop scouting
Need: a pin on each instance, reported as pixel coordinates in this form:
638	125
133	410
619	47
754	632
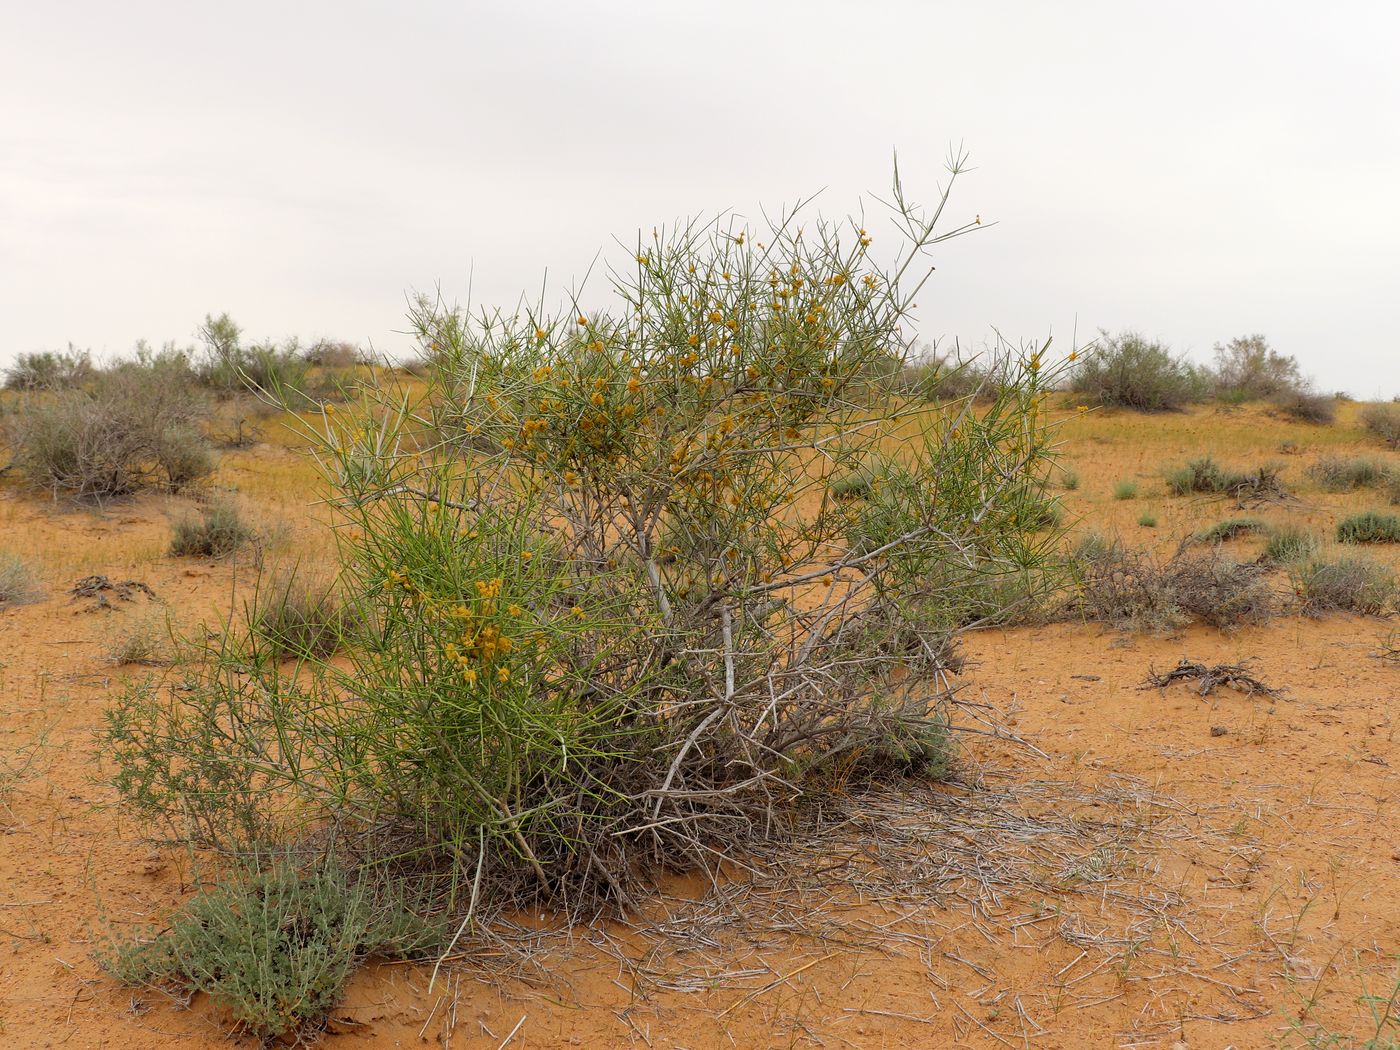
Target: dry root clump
1208	678
99	588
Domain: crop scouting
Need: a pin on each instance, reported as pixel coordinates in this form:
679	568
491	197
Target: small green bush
1384	422
1069	480
18	583
1341	475
274	944
1128	371
145	643
1125	490
1148	521
1223	531
217	532
1199	475
292	615
1204	476
1288	544
1369	527
1347	585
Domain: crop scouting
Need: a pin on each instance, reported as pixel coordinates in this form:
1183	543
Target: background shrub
1306	405
1133	590
1346	585
228	367
1128	371
1384	422
1125	490
136	425
48	370
1341	475
1247	369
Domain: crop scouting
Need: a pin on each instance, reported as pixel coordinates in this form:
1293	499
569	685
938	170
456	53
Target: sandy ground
1141	867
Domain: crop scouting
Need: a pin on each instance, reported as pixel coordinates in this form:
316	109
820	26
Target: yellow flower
1074	355
503	674
692	339
515	610
581	320
526	555
598	400
470	675
716	316
576	613
541	334
633	385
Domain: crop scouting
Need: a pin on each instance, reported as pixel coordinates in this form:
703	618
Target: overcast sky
1191	170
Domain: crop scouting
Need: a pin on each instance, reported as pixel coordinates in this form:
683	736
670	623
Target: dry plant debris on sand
1235	676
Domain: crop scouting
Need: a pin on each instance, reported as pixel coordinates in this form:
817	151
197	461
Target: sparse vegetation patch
1369	527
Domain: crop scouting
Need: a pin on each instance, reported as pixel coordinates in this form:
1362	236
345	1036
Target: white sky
1192	170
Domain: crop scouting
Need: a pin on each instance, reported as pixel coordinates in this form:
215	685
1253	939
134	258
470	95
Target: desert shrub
144	643
1340	475
1289	543
615	621
1369	527
1384	422
1199	475
1134	590
49	370
273	943
216	532
1128	371
135	425
228	367
1391	488
1247	369
1069	480
1204	476
1306	405
295	615
1223	531
1125	490
18	582
1346	585
331	353
1148	521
